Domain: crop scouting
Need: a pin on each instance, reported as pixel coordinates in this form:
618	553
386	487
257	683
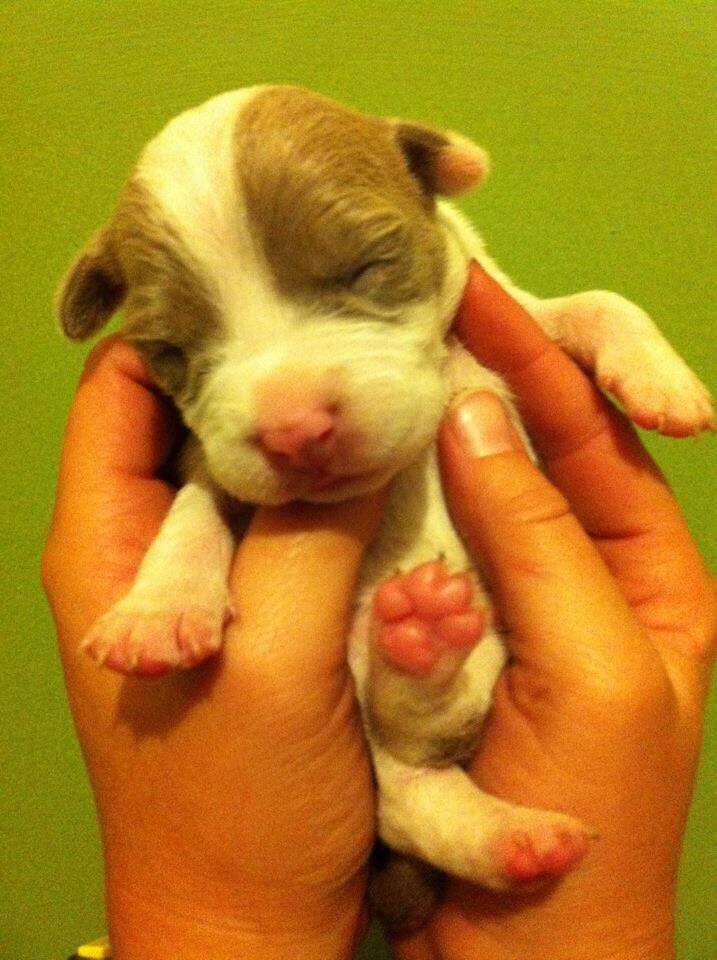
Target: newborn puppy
289	274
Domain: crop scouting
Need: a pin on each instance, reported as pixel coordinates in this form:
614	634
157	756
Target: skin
237	816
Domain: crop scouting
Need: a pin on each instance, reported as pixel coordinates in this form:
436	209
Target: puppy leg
630	358
174	614
441	817
611	337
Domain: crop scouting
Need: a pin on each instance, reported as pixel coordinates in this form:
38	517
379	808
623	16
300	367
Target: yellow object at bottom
96	950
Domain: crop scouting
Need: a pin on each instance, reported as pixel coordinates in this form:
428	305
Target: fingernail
480	425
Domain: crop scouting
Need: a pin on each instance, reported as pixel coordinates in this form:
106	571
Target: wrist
560	946
574	921
261	925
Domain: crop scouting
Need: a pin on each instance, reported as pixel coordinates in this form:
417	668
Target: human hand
611	617
235	800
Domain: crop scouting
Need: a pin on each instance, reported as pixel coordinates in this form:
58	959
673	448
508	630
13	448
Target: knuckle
710	604
530	692
536	504
706	643
610	699
642	698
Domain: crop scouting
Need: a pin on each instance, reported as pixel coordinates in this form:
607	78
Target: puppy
289	272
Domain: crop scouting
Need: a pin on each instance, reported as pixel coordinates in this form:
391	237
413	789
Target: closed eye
367	273
167	362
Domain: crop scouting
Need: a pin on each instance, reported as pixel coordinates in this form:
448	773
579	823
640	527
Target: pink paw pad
527	858
425	615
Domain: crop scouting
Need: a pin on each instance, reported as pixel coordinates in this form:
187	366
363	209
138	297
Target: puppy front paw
658	391
142	637
426	620
652	382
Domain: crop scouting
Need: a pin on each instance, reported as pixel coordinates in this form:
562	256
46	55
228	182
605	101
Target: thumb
563	610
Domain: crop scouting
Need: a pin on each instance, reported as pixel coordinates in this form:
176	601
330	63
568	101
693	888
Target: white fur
179	602
189	169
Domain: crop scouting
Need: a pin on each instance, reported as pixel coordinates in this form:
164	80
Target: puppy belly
423	659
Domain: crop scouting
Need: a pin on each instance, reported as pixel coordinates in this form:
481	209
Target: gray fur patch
333	205
169	315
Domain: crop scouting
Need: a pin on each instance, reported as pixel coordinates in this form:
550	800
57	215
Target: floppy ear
443	161
91	290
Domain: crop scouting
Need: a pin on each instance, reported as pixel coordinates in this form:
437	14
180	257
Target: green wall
599	117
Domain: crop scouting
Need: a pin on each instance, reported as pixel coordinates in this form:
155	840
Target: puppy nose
304	441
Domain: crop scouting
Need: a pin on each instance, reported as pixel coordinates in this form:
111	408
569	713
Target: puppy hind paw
425	618
529	855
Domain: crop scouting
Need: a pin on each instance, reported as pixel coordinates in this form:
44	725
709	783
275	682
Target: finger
118	419
563	610
294	583
109	504
592	453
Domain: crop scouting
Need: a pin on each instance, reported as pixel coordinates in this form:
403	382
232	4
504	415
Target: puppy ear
91	290
443	161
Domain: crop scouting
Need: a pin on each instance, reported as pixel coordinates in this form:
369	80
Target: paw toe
660	393
407	646
153	642
427	616
197	638
526	857
461	630
391	602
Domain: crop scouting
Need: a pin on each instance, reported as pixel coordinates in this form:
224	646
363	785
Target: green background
599	117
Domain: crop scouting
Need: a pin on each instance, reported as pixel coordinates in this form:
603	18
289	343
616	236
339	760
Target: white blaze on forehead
190	170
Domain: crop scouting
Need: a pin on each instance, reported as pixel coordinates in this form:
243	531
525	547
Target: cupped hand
235	800
610	616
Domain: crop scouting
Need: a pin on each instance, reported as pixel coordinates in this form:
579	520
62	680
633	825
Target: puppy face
283	269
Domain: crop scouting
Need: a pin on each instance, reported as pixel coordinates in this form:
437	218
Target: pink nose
304	441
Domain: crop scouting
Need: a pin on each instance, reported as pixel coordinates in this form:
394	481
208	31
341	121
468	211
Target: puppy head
283	270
